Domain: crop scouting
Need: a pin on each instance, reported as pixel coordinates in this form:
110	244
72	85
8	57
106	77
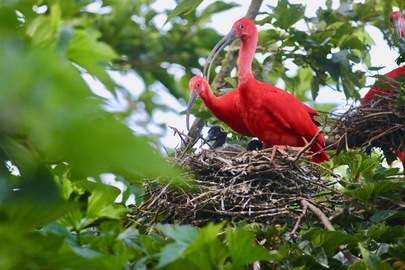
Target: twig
304	212
328	225
303	150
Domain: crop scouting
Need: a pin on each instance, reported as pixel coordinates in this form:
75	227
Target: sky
381	55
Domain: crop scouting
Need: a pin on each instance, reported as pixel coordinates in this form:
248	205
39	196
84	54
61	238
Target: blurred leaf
216	7
207	252
91	54
183	237
232	82
373	261
184	234
101	203
329	239
249	253
288	14
183	7
384	215
397	250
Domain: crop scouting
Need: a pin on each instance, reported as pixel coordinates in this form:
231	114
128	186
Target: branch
328	225
303	150
228	64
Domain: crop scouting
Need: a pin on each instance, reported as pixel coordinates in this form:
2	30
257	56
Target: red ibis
271	114
223	107
375	90
398	22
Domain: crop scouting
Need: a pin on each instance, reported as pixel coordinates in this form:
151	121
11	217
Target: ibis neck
403	27
247	51
209	98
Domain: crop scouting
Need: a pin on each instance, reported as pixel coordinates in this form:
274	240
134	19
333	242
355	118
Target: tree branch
328	225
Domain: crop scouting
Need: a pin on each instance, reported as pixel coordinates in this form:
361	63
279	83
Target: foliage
59	144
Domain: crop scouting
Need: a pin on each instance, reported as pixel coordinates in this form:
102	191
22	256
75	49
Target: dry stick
306	205
304	212
303	150
227	65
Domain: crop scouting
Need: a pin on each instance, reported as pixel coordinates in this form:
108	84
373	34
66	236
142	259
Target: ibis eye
198	85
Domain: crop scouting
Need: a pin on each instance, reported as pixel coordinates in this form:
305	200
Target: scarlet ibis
273	115
398	22
218	135
223	107
375	90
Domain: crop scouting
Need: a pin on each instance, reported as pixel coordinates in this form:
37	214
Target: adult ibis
376	90
271	114
223	107
398	22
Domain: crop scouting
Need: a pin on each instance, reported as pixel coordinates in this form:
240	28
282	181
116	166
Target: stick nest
379	123
248	187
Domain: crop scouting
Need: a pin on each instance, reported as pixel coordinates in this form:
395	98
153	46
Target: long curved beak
398	24
219	47
193	96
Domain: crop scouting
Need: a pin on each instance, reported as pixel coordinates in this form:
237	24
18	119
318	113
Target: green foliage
184	7
59	147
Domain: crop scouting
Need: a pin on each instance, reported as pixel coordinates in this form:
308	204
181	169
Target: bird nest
379	123
235	187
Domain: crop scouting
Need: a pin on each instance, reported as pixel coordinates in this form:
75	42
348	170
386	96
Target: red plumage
398	23
224	107
378	90
272	115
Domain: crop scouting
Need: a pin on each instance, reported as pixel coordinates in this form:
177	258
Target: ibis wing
290	112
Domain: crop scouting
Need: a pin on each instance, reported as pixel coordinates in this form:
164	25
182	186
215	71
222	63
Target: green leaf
320	256
384	215
288	14
93	55
397	250
216	7
101	203
329	240
207	252
183	235
171	253
358	163
179	233
372	261
279	254
374	190
183	7
232	82
242	248
363	194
